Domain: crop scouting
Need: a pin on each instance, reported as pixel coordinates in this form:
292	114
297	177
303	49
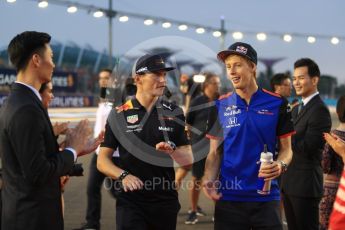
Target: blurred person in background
97	178
46	92
196	120
332	165
129	89
337	219
281	84
189	89
184	88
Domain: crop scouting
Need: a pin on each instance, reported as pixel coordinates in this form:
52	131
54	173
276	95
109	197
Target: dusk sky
314	17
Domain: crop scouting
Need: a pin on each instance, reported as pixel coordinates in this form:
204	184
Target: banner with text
63	81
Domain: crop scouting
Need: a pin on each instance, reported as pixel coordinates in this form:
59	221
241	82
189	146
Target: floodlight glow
335	40
200	30
237	35
199	78
11	1
261	36
287	37
182	27
98	14
42	4
311	39
148	22
166	25
123	18
217	34
72	9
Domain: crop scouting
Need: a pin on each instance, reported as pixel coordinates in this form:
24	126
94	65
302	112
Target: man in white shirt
96	178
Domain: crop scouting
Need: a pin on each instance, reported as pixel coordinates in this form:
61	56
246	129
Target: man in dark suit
303	182
31	160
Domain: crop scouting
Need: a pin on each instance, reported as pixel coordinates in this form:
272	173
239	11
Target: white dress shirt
101	119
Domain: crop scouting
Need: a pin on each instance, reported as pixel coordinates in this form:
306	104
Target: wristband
172	145
283	165
123	175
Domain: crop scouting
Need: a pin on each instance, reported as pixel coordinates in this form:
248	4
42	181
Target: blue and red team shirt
245	129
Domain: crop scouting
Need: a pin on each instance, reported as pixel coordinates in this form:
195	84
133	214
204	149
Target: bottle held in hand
264	187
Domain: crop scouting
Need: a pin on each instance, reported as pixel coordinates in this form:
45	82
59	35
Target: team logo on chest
232	122
132	119
232	112
265	112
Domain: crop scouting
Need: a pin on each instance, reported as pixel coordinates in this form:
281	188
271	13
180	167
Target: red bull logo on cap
241	49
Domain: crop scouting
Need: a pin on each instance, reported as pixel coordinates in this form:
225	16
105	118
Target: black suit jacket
32	164
304	176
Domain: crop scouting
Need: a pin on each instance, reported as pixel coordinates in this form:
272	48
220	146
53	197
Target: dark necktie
300	107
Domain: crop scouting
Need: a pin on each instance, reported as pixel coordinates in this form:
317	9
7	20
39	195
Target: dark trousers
0	210
131	215
302	213
247	215
94	197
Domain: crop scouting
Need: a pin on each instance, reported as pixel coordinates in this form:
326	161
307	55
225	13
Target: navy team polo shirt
245	129
136	132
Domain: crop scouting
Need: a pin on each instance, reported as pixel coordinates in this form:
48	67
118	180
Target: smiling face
240	71
304	84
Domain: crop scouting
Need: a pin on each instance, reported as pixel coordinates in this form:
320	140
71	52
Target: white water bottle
264	187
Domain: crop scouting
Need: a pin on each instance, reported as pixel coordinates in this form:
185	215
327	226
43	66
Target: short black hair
106	70
313	68
43	87
278	79
341	108
24	45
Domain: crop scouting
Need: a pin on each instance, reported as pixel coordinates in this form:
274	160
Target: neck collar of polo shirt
159	104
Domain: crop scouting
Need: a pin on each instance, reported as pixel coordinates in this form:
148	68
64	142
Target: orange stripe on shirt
213	137
273	94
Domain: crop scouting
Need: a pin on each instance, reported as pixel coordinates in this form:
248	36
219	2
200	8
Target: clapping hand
92	144
78	137
60	128
337	144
